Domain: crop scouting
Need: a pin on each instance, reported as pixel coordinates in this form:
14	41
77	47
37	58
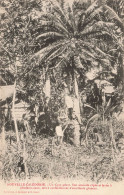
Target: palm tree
73	39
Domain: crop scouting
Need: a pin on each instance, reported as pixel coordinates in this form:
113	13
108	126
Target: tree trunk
73	103
25	158
123	76
112	136
76	133
47	89
76	109
103	107
3	140
13	111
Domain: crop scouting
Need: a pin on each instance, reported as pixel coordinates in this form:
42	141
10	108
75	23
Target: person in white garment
59	133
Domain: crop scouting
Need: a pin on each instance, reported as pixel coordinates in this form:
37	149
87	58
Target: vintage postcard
61	97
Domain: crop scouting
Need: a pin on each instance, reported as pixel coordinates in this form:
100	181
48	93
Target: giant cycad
78	38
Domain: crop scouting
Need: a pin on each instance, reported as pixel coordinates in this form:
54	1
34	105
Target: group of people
60	129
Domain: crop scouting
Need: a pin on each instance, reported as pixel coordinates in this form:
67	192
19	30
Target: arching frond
112	14
96	50
72	20
102	53
91	8
45	23
56	20
50	34
61	27
88	53
106	10
101	34
45	51
55	3
98	26
62	14
55	24
92	15
57	53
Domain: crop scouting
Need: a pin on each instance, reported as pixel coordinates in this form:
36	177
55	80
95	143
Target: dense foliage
74	50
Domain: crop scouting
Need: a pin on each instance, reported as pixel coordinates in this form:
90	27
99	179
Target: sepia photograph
62	97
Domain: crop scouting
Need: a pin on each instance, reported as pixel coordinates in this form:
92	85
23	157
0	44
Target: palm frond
64	20
93	34
92	15
61	27
55	24
101	34
58	21
102	53
91	8
93	48
55	3
88	53
71	17
50	34
86	16
62	14
45	51
57	53
45	22
112	14
99	26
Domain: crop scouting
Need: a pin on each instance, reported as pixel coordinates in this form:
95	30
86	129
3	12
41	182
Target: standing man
59	133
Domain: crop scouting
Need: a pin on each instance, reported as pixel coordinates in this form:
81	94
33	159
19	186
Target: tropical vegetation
65	62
